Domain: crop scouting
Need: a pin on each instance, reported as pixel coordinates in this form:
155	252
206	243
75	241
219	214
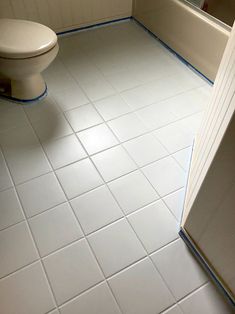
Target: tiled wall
209	216
66	14
181	25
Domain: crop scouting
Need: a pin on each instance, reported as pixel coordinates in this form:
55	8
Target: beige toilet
26	49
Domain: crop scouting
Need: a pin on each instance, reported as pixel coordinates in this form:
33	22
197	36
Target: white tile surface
156	116
96	300
127	127
83	117
189	103
140	289
12	118
42	110
70	98
40	194
26	291
83	82
96	209
192	123
174	138
175	203
112	107
97	139
55	228
186	275
133	191
10	209
207	300
116	247
79	178
145	149
113	163
16	248
97	89
5	180
64	151
155	226
52	128
72	270
183	157
24	154
165	175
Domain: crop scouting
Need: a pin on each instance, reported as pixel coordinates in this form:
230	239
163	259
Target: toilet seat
20	39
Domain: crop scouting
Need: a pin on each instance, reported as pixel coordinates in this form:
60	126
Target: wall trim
78	29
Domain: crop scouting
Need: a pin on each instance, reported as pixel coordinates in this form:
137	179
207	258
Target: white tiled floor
92	183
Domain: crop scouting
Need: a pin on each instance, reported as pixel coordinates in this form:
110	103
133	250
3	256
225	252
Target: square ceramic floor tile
96	209
183	157
26	291
116	247
186	275
192	123
112	107
79	178
156	116
70	98
175	203
40	194
97	88
139	97
188	103
97	300
55	228
133	191
52	128
206	300
16	249
5	180
140	289
113	163
64	151
173	310
12	118
145	149
10	209
97	139
174	138
124	80
165	175
24	154
127	127
72	270
42	110
155	226
83	117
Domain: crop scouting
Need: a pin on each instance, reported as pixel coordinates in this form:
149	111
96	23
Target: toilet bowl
26	49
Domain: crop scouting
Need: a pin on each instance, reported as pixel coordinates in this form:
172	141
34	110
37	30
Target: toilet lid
23	39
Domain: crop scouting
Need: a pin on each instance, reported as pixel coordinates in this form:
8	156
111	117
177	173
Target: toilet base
27	90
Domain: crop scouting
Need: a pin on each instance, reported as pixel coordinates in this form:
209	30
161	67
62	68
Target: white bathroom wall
62	15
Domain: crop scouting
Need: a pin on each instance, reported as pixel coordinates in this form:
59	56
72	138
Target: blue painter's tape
199	257
175	53
25	101
93	25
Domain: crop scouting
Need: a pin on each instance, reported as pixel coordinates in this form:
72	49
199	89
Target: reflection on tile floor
92	183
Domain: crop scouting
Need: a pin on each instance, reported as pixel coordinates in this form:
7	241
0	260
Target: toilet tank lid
24	39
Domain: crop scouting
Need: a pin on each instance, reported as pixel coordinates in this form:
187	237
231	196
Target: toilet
26	49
